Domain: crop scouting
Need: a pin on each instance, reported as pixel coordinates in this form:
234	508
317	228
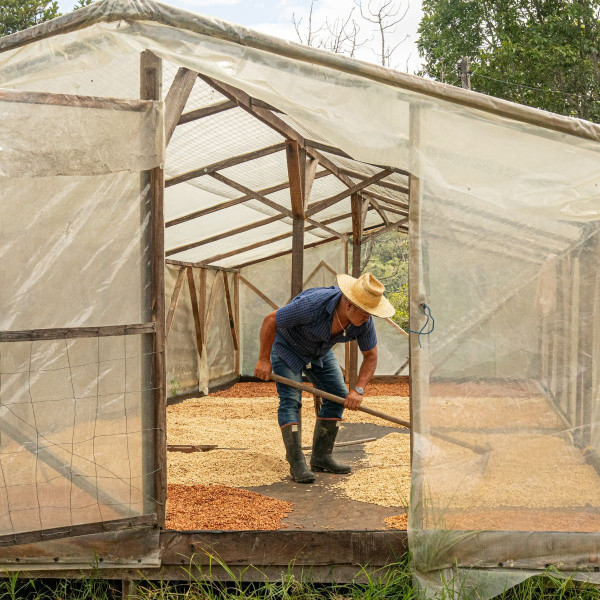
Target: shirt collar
331	304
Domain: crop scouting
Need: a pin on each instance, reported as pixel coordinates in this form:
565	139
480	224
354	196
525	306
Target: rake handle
377	413
337	399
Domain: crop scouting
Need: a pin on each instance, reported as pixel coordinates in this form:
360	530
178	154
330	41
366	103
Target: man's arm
367	370
267	337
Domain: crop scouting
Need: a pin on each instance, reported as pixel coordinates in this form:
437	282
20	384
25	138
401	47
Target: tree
542	53
16	15
386	256
343	34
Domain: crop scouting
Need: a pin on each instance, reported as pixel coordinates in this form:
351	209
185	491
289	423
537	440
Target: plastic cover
76	413
188	371
489	355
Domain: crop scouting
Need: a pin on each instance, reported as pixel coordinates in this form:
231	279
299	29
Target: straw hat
366	292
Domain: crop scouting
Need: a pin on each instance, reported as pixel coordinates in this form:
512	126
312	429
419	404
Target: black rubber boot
323	441
293	454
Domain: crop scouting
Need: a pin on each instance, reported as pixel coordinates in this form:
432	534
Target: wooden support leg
129	589
151	89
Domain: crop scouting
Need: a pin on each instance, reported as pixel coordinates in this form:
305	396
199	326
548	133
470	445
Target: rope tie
427	313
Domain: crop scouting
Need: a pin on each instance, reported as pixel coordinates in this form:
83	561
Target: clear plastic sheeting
511	370
76	431
190	371
75	251
77	388
187	370
91	131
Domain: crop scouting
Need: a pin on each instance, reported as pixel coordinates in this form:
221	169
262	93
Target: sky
274	17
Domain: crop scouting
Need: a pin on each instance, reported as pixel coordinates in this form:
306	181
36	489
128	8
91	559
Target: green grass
392	583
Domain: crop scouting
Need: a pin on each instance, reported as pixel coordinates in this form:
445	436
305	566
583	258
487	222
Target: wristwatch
359	390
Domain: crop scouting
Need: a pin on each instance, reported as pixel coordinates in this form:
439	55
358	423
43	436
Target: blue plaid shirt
304	328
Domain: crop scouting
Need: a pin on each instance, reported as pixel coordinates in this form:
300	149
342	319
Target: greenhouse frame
168	179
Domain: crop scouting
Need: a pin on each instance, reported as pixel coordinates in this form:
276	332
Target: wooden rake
477	448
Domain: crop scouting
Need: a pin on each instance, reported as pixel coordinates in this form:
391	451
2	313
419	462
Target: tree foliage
542	53
388	261
16	15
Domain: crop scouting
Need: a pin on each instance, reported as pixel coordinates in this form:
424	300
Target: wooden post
151	89
195	311
465	72
347	344
357	231
175	299
230	314
418	357
236	309
296	162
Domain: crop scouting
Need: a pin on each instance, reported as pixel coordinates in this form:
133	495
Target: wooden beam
297	276
244	101
387	228
232	326
321	225
76	332
384	184
267	242
255	195
70	531
380	211
224	164
309	178
235	202
202	304
150	89
382	198
295	156
296	166
313	144
207	111
357	232
224	235
236	311
327	202
195	310
174	300
284	252
182	263
46	98
258	292
178	95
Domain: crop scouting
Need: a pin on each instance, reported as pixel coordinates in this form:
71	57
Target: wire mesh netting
76	433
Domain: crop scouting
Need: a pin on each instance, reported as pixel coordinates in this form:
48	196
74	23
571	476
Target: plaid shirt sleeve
367	338
299	311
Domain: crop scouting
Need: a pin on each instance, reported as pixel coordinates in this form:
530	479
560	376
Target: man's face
356	315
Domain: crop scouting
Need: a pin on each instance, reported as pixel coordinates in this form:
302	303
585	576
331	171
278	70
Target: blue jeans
328	378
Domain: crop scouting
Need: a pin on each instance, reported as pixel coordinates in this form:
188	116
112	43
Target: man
298	338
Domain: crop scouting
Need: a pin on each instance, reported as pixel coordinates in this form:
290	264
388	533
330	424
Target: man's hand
353	400
263	369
